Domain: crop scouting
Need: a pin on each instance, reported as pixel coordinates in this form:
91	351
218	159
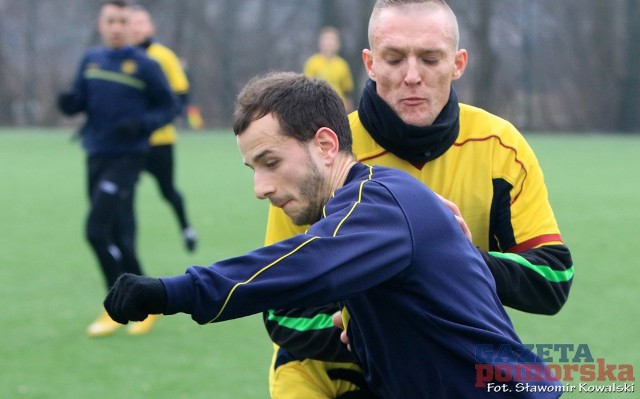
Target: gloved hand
133	298
130	129
65	102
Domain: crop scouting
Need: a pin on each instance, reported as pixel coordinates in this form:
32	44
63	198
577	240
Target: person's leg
127	174
103	197
160	164
125	233
101	219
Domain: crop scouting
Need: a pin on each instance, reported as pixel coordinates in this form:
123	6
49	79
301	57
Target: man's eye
271	164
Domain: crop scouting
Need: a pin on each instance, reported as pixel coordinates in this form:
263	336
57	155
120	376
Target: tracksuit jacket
420	297
116	86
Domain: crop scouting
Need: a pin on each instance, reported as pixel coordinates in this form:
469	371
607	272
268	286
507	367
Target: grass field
50	288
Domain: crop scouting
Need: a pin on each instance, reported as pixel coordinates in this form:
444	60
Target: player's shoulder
479	124
340	61
96	52
160	50
315	60
144	61
476	116
392	180
366	183
140	54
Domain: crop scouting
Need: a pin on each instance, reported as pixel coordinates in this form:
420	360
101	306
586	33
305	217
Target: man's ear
367	59
460	64
326	141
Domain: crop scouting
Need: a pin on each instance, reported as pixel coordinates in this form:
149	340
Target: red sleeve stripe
534	242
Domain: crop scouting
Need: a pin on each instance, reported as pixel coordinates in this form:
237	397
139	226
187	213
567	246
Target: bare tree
630	108
486	59
546	65
7	96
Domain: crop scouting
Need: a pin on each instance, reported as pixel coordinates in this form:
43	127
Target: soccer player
125	97
328	65
419	296
409	118
160	160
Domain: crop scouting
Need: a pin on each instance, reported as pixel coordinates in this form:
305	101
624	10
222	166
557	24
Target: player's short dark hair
302	105
117	3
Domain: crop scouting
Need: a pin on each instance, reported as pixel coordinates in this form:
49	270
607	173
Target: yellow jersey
334	70
178	82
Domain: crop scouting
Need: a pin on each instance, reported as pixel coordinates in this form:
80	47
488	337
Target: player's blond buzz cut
436	4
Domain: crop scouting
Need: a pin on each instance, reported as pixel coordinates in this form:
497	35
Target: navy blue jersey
115	86
420	297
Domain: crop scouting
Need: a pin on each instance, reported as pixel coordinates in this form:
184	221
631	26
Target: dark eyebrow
259	157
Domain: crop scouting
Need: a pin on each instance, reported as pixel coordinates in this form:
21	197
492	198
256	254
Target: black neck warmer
145	45
411	143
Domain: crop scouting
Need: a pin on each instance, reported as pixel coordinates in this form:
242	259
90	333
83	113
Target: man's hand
130	129
65	102
337	321
456	211
133	298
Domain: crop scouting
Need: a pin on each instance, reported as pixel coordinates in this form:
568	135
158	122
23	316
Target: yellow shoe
144	326
103	325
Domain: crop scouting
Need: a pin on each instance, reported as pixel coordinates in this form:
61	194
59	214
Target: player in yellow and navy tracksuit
160	160
125	97
481	163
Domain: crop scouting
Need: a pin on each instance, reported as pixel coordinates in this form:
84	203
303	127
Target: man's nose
413	72
262	186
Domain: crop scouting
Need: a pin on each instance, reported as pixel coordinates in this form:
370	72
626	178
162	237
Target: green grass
594	190
51	288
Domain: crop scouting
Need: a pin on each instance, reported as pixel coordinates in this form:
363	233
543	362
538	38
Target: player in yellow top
409	118
328	65
160	162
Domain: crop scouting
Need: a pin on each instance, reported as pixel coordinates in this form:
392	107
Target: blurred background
545	65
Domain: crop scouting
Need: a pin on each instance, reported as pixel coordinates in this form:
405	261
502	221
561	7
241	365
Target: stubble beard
311	190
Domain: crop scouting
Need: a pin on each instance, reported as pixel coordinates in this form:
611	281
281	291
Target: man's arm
74	101
308	333
536	280
322	266
163	104
531	264
174	72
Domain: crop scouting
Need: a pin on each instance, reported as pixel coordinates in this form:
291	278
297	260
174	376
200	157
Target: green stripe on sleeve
95	73
317	322
556	276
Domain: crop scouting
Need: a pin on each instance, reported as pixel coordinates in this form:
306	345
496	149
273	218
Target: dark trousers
160	165
111	225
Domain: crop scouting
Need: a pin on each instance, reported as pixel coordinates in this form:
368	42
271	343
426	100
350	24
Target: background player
125	97
328	65
160	160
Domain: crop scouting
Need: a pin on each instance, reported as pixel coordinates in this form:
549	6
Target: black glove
65	102
130	129
133	298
